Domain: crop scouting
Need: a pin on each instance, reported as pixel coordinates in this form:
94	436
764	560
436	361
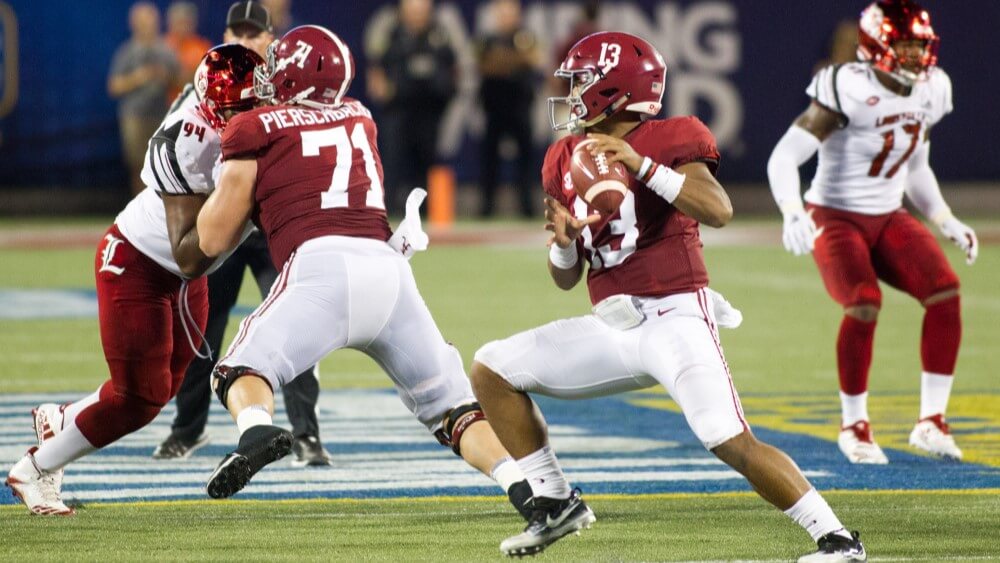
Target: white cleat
47	420
36	488
933	436
857	444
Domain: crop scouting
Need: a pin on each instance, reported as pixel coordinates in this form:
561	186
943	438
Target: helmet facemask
579	82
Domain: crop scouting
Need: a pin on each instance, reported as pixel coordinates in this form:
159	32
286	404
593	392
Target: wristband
791	206
940	217
563	258
661	179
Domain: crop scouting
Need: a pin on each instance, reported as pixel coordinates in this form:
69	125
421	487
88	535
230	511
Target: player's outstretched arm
795	147
224	215
182	216
924	191
565	265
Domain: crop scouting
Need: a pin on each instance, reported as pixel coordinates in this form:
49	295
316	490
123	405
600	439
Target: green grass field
785	347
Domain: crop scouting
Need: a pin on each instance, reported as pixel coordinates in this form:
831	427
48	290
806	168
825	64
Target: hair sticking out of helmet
609	72
309	66
224	84
887	32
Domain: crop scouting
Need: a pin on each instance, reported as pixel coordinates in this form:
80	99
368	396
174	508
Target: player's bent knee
455	422
223	378
941	297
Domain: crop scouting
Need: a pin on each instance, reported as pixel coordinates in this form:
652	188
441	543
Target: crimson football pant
854	252
151	324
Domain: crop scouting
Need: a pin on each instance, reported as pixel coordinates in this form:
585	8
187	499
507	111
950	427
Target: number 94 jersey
863	166
318	173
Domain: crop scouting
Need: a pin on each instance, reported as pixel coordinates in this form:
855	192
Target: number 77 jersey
318	173
863	166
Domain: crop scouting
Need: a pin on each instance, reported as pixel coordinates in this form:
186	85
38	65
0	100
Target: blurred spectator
142	71
412	75
843	45
282	19
508	59
183	39
587	25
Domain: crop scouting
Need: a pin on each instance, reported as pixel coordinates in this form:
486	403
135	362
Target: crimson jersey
647	247
318	173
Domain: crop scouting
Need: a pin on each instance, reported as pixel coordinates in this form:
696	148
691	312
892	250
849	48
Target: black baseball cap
249	13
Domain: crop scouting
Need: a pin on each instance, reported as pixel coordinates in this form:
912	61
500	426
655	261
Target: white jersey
862	167
182	158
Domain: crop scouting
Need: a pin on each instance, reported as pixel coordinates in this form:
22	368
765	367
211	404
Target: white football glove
410	237
799	232
963	236
725	314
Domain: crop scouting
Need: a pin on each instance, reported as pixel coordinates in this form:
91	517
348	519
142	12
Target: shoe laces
47	486
834	542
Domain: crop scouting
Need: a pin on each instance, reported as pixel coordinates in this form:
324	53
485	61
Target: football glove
799	232
410	237
962	235
725	314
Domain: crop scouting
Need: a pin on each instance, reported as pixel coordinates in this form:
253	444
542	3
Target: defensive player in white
870	122
151	296
655	321
308	171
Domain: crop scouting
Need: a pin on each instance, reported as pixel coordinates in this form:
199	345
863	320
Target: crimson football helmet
224	82
309	66
609	72
884	23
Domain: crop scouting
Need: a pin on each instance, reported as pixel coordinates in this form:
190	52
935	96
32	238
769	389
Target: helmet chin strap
579	126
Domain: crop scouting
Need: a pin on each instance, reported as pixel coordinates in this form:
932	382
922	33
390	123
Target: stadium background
741	66
744	65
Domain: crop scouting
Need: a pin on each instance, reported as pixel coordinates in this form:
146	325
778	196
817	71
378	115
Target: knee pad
456	422
223	378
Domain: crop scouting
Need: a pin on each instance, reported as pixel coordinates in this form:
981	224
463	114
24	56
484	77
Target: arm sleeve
695	144
244	137
553	181
943	100
794	148
922	186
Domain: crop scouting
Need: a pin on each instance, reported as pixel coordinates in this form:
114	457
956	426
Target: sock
854	354
935	390
71	410
941	336
544	474
254	415
506	473
66	447
853	408
815	516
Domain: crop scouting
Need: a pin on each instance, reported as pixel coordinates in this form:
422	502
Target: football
598	182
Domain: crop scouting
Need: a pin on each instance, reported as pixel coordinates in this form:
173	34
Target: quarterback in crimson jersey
654	319
152	299
870	123
307	171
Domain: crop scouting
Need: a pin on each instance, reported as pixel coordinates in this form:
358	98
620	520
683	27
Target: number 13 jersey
863	166
318	173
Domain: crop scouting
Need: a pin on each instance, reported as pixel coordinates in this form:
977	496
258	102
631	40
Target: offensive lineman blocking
308	172
870	122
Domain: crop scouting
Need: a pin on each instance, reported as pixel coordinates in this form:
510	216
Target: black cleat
520	496
835	548
309	451
259	446
550	520
175	447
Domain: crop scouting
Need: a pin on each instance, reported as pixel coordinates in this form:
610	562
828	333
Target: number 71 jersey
863	166
318	173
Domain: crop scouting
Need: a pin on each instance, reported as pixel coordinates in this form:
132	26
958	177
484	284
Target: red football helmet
609	72
309	65
224	82
886	22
